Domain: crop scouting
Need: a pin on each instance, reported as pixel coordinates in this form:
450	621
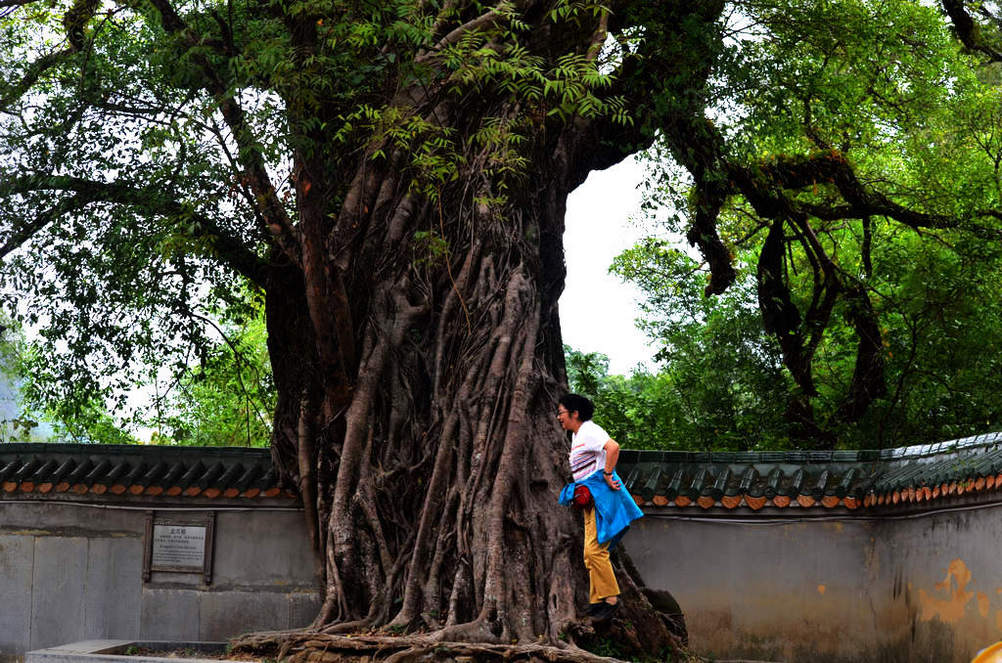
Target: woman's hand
611	481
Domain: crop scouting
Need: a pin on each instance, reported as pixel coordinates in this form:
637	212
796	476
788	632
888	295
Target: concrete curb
113	651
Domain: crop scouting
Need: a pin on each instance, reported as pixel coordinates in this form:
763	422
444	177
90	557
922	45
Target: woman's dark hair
575	403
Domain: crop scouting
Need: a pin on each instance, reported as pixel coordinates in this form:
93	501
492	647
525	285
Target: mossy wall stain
951	596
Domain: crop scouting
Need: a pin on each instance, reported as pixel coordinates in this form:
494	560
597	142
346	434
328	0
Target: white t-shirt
588	449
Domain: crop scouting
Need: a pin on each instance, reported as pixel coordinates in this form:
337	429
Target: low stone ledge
113	651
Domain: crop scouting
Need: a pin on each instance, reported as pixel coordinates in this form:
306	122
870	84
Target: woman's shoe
605	611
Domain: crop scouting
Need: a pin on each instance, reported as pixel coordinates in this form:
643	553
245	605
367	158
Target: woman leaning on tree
597	490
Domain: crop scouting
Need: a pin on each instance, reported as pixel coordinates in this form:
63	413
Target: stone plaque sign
181	544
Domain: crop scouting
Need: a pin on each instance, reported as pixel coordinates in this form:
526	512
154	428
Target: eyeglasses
560	412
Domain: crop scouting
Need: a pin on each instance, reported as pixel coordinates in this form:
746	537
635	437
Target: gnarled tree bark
430	479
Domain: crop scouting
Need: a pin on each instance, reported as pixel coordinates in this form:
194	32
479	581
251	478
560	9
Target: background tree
16	425
848	178
939	315
25	418
704	397
392	178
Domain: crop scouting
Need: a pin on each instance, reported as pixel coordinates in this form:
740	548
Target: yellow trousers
601	579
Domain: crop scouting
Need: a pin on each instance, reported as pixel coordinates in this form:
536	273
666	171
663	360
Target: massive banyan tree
413	328
392	176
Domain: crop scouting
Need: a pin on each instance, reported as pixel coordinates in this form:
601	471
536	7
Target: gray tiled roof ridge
912	474
54	448
935	451
46	470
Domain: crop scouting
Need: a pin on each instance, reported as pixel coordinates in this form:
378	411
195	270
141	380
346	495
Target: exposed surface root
307	647
617	637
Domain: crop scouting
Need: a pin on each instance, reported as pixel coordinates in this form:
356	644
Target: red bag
582	497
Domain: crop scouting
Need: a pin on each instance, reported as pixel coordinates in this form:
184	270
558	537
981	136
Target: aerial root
314	647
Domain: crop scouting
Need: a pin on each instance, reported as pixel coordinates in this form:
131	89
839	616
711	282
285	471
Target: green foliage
17	429
88	424
429	247
228	398
894	95
941	323
129	174
27	419
225	400
607	647
697	402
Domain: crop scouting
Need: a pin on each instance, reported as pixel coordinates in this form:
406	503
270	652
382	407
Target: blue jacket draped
614	509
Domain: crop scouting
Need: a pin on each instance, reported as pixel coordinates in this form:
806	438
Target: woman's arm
611	457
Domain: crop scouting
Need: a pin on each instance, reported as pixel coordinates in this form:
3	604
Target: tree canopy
883	138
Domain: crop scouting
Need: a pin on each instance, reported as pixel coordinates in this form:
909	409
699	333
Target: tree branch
21	235
227	248
825	292
31	76
486	19
76	18
968	31
780	316
13	4
764	187
868	381
598	37
276	220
